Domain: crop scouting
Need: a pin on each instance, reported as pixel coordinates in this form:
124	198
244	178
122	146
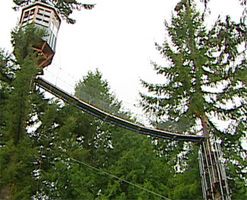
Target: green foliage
7	71
98	135
24	39
139	165
16	166
17	151
186	185
194	69
204	79
54	151
96	91
68	154
82	158
19	103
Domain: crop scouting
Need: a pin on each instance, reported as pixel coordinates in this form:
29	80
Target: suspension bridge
212	171
44	14
107	117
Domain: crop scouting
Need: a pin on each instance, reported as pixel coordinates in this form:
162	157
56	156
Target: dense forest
52	150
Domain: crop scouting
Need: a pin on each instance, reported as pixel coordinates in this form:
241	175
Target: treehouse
43	14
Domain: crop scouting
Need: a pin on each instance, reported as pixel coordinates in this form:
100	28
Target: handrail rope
111	118
138	115
72	86
57	78
118	178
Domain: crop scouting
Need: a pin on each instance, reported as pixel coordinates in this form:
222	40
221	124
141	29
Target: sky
117	37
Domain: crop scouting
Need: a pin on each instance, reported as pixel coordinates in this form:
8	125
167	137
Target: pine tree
96	91
124	154
204	72
17	154
67	136
7	73
186	184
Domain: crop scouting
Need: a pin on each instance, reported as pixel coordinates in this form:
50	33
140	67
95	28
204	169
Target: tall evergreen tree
7	73
17	155
66	134
203	74
131	157
96	91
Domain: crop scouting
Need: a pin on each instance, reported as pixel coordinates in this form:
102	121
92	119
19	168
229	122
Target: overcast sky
117	37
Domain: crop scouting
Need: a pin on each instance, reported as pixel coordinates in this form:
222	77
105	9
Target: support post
212	171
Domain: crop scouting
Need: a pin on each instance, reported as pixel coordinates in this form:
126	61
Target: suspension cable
118	178
60	93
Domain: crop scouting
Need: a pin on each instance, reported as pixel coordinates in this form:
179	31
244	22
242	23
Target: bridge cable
118	178
60	93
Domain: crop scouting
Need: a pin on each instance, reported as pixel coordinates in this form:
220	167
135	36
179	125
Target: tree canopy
204	83
52	150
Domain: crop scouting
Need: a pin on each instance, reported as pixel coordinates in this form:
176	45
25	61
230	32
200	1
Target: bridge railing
107	117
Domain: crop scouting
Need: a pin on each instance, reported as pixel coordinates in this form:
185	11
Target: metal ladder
212	171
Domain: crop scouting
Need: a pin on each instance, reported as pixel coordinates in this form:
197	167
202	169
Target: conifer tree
17	155
124	154
7	72
96	91
67	134
203	78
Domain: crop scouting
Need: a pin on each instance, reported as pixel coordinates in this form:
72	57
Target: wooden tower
43	14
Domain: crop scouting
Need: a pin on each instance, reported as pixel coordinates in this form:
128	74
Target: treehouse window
32	12
40	11
26	14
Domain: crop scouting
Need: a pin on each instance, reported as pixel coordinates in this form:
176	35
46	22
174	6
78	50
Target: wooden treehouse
43	14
